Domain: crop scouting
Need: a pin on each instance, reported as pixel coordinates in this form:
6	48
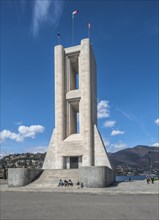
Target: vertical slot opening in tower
73	83
74	122
77	81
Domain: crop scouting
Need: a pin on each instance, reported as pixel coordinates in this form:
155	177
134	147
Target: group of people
69	183
65	183
150	179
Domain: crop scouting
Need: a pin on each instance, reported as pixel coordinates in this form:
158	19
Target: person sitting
60	183
70	183
78	183
65	183
81	185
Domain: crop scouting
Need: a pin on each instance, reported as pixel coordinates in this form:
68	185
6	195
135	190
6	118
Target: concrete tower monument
76	150
75	142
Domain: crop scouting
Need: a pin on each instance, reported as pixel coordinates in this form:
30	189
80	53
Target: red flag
75	12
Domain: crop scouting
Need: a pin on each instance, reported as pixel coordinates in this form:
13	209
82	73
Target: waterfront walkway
132	187
79	206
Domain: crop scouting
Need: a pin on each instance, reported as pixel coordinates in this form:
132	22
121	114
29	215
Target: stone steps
51	177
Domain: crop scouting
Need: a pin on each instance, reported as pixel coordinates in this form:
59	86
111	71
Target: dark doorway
73	162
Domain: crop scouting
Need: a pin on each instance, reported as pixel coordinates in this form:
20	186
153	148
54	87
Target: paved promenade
135	200
133	187
73	206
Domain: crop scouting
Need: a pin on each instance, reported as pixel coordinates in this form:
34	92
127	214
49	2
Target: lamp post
150	161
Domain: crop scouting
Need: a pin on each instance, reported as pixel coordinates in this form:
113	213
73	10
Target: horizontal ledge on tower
73	94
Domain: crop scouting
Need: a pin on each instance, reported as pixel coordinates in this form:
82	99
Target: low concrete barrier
22	176
91	177
96	176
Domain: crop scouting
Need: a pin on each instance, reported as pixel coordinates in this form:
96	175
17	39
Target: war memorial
76	150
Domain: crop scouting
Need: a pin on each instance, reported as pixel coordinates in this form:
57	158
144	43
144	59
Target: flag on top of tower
75	12
58	37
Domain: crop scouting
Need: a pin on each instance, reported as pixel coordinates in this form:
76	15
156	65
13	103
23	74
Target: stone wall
22	176
96	177
91	177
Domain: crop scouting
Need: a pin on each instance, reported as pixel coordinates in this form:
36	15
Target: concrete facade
96	176
22	176
75	141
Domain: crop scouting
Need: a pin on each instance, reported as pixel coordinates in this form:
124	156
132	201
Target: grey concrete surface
53	205
72	100
96	176
22	176
133	187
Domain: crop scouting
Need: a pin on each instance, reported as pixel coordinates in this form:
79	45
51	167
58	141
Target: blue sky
124	36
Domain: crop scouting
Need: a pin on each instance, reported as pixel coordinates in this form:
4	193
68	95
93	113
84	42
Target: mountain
139	159
130	161
29	160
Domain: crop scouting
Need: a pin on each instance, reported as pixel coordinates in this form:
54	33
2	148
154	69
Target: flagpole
89	32
72	29
58	38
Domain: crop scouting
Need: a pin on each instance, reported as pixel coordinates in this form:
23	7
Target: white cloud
103	109
117	132
46	12
24	132
155	145
18	123
157	121
109	124
6	134
106	142
30	131
37	149
5	153
118	146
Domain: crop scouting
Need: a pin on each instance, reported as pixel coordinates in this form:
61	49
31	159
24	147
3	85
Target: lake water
126	178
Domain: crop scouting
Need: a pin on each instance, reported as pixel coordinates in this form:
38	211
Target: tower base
96	176
73	147
90	177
